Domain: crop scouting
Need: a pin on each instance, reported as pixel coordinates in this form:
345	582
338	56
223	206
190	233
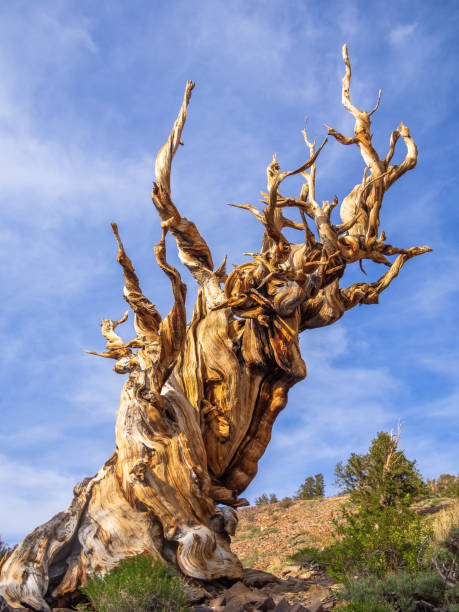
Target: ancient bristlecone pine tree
200	399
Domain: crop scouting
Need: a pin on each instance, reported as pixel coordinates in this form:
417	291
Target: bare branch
166	153
147	318
115	345
252	209
172	328
377	105
393	141
192	248
363	293
331	302
410	161
345	96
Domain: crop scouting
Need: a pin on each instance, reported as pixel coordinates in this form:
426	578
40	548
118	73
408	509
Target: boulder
258	578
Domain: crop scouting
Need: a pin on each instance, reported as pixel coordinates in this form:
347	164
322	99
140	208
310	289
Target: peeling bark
198	406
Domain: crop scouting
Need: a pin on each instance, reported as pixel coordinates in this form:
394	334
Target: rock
298	608
275	562
202	609
217	602
305	574
196	593
237	589
258	578
292	569
282	606
292	585
268	604
239	597
318	591
315	606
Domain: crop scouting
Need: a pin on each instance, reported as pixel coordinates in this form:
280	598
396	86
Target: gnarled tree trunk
198	406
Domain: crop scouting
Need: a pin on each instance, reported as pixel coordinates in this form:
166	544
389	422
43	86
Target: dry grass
445	520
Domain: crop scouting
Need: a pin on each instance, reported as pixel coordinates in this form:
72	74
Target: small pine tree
273	498
319	486
383	474
307	489
262	500
379	532
312	488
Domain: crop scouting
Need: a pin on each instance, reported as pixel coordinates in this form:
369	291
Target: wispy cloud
402	34
33	496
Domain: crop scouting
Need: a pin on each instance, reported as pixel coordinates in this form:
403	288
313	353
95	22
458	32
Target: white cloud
401	34
30	497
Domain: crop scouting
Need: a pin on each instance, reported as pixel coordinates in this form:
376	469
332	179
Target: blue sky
88	94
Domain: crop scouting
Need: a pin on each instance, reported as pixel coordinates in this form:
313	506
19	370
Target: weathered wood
197	409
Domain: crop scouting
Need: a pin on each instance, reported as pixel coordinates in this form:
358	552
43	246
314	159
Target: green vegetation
286	502
312	488
446	485
376	541
266	499
400	591
378	532
252	531
383	475
251	559
389	557
138	584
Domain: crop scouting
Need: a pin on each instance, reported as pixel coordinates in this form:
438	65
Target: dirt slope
268	534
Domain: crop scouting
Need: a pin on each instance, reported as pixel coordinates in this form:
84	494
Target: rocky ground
267	535
265	539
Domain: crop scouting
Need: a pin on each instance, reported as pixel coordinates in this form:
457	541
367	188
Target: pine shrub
401	592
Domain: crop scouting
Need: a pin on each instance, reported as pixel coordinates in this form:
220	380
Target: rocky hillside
268	534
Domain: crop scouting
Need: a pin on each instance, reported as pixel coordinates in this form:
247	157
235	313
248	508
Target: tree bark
197	409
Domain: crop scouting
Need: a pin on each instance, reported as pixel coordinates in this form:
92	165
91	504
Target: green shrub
138	584
445	562
308	555
251	559
371	542
446	485
402	592
377	541
359	606
286	502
